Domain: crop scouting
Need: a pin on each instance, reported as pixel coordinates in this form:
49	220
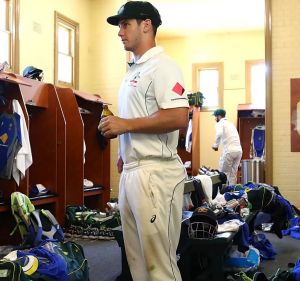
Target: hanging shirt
23	159
10	142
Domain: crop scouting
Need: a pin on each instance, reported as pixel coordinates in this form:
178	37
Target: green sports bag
11	271
74	256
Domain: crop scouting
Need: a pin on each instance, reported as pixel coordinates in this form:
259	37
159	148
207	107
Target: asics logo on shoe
153	218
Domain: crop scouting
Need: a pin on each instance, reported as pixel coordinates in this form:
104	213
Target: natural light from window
65	60
209	85
258	84
66	55
4	32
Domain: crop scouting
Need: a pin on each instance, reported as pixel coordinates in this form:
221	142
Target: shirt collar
146	56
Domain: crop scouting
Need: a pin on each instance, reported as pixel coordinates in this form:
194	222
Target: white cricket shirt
153	82
228	134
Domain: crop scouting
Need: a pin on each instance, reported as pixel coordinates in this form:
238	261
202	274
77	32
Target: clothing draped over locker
10	142
15	150
23	159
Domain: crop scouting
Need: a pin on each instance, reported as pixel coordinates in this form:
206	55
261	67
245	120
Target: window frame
219	66
61	20
12	20
248	65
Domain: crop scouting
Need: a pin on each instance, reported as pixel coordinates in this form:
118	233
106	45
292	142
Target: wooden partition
97	158
47	134
59	121
9	89
194	155
74	147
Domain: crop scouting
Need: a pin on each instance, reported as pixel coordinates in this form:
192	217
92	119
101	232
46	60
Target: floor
104	257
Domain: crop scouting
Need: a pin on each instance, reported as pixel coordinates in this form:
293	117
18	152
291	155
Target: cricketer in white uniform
232	152
152	179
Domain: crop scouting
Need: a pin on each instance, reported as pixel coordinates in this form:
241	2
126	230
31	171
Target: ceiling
180	17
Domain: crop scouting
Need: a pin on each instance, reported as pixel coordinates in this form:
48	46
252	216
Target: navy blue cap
136	10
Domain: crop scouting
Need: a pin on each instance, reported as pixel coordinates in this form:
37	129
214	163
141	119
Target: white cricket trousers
229	164
150	202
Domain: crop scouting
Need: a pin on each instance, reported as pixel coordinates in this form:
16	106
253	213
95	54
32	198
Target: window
256	83
208	79
66	52
9	37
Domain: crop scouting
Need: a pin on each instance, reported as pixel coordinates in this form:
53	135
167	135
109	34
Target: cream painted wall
233	49
108	67
285	65
37	35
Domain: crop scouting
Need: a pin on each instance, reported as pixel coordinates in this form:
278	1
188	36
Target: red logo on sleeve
178	89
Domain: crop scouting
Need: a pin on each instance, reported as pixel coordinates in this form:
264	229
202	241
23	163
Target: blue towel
50	264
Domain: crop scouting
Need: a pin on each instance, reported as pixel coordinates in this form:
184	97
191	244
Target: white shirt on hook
23	159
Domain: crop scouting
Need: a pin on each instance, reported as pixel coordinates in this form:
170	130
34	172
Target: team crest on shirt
178	89
4	138
134	80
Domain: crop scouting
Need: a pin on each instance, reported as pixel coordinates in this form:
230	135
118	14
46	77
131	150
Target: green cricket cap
220	112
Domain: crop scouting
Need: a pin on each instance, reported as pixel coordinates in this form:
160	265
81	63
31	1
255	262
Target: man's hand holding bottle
108	125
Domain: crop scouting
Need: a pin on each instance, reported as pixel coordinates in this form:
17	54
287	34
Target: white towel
207	186
230	225
23	159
